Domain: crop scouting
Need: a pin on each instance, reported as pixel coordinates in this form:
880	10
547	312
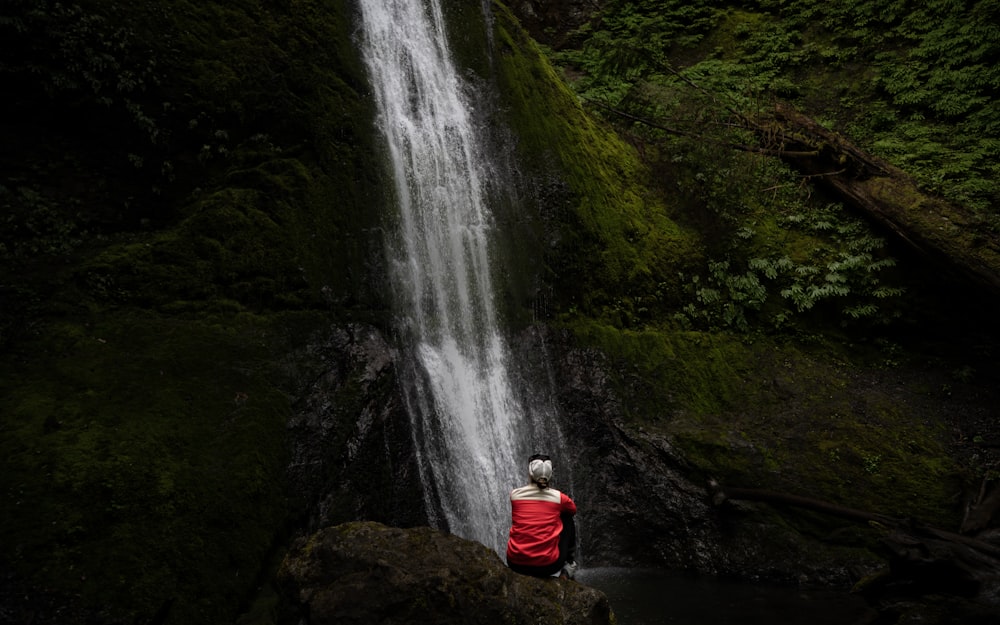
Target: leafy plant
844	270
33	225
914	85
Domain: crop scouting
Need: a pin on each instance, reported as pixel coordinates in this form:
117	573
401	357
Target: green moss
143	387
616	243
142	471
773	415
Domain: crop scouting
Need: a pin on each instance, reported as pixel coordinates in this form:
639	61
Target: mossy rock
367	572
609	241
208	210
773	415
143	471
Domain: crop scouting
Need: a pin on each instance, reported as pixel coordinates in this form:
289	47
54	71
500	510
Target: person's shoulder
533	493
521	490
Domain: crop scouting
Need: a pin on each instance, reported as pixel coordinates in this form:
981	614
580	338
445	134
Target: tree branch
683	133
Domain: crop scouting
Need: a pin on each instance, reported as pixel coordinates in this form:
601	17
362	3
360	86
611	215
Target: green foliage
66	47
932	89
632	40
726	298
842	268
853	259
912	84
34	225
779	257
84	63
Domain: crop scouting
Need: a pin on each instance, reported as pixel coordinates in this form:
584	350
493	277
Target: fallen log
948	235
943	232
722	495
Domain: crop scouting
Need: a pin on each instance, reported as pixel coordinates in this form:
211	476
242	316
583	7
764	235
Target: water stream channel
470	432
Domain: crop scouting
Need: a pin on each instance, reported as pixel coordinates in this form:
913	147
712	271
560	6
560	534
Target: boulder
366	572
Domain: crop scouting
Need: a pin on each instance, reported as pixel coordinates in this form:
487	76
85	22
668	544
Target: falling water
466	419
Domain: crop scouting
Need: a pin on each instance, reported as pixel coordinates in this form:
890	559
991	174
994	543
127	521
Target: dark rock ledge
366	572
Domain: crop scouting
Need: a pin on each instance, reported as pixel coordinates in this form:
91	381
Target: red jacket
535	524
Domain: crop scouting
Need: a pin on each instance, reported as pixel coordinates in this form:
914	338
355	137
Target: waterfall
468	426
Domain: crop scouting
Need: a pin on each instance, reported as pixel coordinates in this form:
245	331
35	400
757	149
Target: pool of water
644	597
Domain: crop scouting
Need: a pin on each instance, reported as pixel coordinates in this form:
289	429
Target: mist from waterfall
468	425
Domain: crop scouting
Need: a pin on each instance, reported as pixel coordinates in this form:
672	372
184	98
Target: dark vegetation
174	225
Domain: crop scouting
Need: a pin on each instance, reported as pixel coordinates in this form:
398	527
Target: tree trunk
947	234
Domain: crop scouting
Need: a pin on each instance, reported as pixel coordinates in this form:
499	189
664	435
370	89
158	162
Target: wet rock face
353	459
367	573
352	452
639	504
636	506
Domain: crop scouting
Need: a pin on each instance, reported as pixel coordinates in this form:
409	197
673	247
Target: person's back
542	532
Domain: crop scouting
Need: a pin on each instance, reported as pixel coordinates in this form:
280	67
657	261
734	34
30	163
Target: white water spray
467	422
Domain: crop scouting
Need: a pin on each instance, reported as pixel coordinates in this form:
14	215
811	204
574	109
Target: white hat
540	471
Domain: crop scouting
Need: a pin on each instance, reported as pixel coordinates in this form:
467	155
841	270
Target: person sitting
543	530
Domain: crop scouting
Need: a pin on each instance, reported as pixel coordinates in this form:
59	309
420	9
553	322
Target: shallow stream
650	597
